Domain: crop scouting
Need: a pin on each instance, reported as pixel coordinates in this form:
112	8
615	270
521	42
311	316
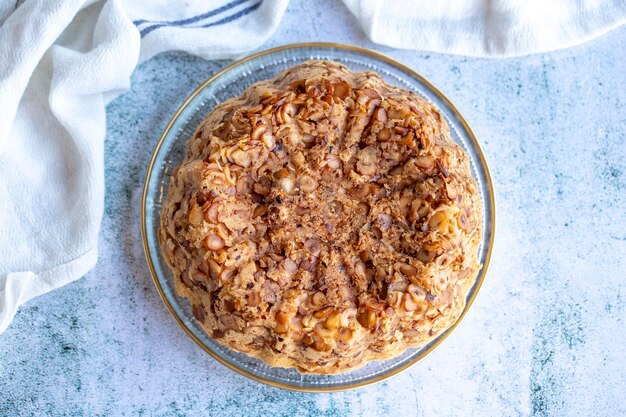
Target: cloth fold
61	62
501	28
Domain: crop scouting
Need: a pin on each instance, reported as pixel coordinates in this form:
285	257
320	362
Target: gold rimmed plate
231	82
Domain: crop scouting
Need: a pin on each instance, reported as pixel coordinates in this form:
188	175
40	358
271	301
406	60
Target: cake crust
323	219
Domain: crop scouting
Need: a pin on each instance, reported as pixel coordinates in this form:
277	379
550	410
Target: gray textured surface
546	335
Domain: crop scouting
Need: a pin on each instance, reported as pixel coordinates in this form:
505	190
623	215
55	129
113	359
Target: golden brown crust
323	219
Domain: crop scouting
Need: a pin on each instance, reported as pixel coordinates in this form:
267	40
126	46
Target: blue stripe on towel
196	18
222	21
234	16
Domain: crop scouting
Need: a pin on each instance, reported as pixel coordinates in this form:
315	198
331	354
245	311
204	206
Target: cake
323	219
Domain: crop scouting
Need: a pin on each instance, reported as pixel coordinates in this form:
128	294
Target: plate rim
345	47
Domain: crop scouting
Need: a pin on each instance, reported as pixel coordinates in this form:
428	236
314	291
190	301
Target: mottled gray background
546	335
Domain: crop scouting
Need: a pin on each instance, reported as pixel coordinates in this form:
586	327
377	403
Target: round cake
323	219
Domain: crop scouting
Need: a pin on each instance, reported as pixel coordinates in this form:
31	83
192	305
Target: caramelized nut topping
313	246
213	242
308	184
195	215
344	334
367	318
333	320
322	219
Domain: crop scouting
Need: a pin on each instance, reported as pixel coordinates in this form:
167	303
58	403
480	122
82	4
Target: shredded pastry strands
323	219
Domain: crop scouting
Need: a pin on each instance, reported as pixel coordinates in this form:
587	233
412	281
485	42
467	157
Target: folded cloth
61	62
486	27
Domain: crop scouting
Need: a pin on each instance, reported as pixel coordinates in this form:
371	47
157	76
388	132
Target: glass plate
232	81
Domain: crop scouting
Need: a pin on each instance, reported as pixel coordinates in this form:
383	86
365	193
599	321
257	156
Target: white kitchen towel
60	63
486	27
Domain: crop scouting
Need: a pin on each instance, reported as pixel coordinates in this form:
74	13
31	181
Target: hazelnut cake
323	219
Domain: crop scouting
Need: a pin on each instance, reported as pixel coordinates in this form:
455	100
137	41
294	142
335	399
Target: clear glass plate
231	82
